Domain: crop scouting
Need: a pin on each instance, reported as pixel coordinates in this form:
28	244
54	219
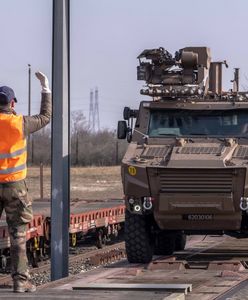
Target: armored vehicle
185	168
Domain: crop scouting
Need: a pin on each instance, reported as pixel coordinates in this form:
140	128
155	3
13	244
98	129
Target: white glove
43	81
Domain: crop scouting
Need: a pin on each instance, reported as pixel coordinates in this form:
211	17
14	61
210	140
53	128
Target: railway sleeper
108	257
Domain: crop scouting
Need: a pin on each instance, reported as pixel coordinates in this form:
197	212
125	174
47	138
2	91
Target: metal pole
77	150
116	152
29	89
30	149
60	204
41	182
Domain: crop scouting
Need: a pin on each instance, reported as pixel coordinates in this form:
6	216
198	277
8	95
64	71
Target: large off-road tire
165	243
138	239
180	242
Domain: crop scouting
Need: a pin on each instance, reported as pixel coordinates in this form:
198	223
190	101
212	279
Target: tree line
88	148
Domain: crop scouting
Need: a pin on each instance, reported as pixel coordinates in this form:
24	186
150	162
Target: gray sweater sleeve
36	122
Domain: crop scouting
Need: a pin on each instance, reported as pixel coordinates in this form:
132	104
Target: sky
106	38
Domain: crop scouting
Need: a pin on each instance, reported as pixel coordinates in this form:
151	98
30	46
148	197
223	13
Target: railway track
89	259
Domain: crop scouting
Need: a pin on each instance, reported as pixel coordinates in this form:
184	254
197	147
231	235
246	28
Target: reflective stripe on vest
13	152
12	170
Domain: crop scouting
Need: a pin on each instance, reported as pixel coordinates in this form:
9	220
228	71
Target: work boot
21	286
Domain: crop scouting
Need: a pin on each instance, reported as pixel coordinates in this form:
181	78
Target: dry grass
86	183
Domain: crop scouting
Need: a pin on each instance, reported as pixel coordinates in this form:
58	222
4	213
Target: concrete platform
89	295
207	284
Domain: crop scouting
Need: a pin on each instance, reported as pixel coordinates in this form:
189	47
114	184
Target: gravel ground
80	266
77	267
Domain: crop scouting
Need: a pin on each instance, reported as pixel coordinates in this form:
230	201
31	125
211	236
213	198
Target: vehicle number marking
202	217
132	170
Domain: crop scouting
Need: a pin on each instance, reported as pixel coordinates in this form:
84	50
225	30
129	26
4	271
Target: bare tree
87	148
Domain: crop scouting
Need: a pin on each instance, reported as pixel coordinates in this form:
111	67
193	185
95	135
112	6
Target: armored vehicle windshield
186	123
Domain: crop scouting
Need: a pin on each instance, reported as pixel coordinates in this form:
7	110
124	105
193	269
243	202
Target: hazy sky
107	36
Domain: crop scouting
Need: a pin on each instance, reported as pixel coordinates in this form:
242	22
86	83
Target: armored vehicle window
231	123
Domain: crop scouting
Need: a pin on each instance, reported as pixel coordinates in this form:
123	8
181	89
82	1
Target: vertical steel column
30	138
41	181
29	89
60	206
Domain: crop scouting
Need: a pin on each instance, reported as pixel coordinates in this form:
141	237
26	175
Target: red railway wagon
4	237
34	230
35	233
35	227
101	220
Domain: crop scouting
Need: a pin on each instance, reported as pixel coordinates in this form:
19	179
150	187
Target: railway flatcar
98	220
34	237
102	223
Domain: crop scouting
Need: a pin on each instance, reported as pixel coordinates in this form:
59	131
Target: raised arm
36	122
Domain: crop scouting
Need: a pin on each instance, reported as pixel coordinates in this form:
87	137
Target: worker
14	198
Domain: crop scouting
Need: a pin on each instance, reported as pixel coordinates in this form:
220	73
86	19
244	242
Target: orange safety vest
13	150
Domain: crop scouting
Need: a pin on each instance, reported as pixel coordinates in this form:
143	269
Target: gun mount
189	73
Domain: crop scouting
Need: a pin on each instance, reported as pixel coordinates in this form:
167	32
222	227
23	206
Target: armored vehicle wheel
180	242
165	243
139	245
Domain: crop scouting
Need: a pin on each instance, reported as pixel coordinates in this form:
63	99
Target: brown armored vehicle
185	168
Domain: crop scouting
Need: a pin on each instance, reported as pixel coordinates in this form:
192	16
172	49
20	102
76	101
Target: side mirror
122	130
129	113
126	113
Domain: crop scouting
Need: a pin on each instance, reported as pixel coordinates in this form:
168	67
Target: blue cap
6	95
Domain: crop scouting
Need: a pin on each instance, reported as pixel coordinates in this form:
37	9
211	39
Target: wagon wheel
115	232
34	259
73	239
47	226
32	254
3	262
42	248
100	239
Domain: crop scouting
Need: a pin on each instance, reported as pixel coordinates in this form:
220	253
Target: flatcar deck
79	206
